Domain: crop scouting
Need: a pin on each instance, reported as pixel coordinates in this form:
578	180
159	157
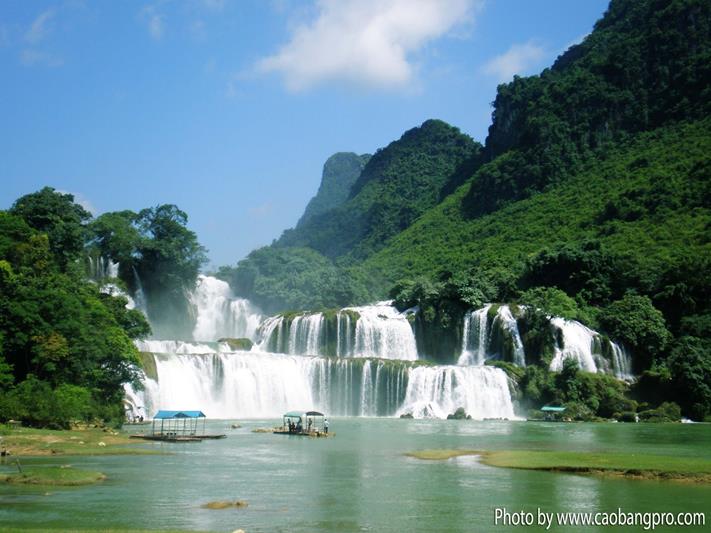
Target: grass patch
637	466
34	442
440	455
53	476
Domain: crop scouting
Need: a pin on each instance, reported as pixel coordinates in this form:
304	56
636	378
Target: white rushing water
383	331
437	391
509	325
219	314
102	268
380	331
305	334
578	344
622	362
179	347
475	337
254	384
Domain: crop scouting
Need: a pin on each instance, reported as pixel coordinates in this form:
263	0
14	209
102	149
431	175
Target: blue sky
230	108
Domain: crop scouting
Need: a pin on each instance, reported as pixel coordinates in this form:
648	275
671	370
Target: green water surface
359	480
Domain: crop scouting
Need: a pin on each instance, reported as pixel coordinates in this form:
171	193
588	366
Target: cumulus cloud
518	59
39	28
364	42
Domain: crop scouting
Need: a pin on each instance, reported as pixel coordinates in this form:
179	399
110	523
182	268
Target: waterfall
578	343
345	334
271	335
382	331
437	391
511	327
102	268
498	338
219	314
475	337
115	290
305	334
621	362
180	347
139	296
254	384
379	331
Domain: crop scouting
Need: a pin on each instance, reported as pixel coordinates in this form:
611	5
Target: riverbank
41	442
632	466
62	476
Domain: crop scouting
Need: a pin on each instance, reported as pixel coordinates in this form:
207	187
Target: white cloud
30	57
364	42
39	28
154	21
518	59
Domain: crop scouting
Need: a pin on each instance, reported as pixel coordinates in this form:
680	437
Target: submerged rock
226	504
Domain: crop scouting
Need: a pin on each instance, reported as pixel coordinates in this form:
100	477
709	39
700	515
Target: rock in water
459	414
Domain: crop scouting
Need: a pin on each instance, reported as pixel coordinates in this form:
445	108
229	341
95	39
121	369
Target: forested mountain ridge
340	172
397	185
314	264
646	64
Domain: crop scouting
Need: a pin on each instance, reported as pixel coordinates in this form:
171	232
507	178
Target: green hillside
647	203
397	185
340	172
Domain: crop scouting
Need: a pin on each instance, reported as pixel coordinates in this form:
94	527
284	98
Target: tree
57	215
167	259
635	322
115	235
583	269
551	301
690	367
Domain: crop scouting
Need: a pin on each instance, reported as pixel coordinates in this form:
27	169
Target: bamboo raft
176	438
280	431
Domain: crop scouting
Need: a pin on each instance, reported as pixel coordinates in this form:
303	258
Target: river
359	480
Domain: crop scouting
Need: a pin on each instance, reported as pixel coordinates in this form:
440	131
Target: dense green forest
66	345
591	199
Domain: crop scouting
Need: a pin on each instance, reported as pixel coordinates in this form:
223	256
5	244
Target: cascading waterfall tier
378	330
254	384
493	333
219	314
105	272
102	268
383	331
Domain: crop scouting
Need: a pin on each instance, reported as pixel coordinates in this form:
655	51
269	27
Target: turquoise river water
360	480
